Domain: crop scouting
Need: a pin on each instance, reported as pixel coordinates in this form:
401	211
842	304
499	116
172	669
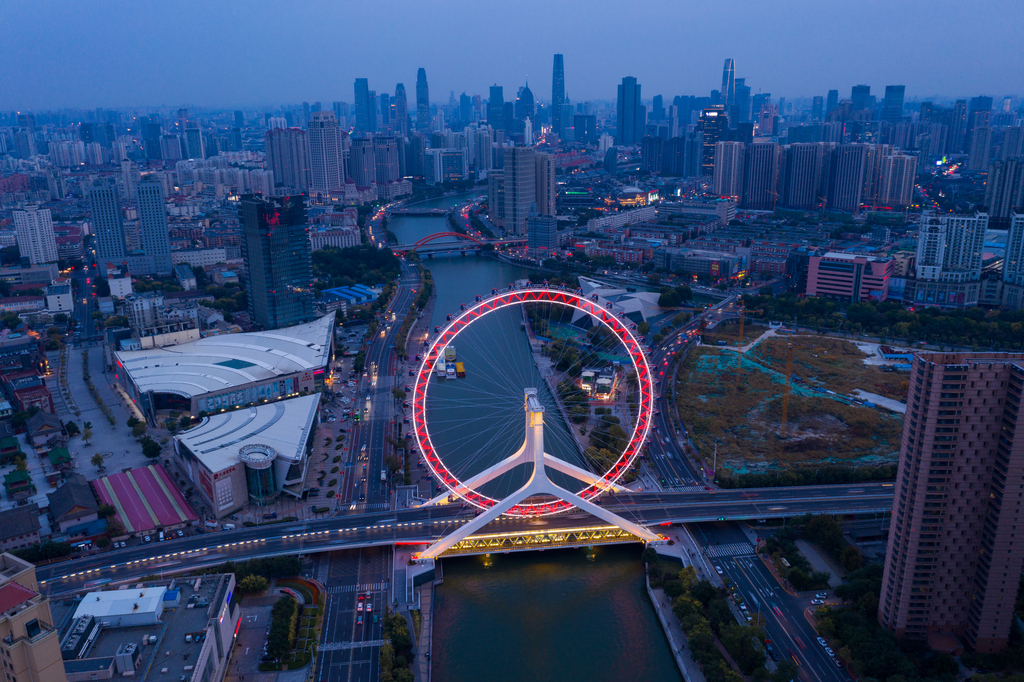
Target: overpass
424	525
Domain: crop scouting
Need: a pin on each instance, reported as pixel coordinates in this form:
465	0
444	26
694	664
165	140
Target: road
426	524
781	614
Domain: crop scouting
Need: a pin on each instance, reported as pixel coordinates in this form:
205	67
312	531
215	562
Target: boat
460	370
449	353
440	370
450	370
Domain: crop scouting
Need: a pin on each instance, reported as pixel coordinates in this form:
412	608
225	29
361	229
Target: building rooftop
121	602
19	521
144	498
284	425
217	363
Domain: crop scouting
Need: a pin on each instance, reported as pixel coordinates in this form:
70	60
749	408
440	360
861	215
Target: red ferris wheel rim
504	299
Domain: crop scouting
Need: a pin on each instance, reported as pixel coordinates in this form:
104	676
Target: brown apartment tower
953	560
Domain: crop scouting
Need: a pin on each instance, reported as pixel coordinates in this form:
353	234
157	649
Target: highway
426	524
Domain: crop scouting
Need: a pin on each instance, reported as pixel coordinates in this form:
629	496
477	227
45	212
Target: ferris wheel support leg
605	515
452	539
483	477
581	474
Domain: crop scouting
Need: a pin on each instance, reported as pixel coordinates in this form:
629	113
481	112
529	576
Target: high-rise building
496	197
107	222
897	180
585	128
832	101
547	186
817	108
800	177
1013	264
153	233
949	253
892	104
385	159
288	157
240	119
1012	144
846	178
860	96
30	648
980	148
151	130
542	234
520	173
1004	189
422	101
401	106
276	250
652	154
363	106
362	161
631	113
729	82
951	564
34	229
728	177
557	94
194	147
483	149
524	107
496	108
713	125
739	112
958	126
761	176
326	171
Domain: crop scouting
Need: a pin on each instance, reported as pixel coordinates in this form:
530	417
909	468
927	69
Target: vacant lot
730	333
742	415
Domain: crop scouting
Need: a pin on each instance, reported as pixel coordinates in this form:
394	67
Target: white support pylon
532	452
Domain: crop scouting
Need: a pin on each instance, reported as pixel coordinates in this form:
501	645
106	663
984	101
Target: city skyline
160	63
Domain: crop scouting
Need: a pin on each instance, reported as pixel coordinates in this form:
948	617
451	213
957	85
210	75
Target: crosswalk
365	587
341	646
730	549
376	506
685	488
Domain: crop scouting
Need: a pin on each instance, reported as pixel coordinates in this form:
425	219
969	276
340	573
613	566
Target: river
557	615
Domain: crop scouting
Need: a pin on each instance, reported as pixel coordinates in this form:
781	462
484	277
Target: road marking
730	550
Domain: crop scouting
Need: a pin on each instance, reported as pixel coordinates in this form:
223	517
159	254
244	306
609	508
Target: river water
558	615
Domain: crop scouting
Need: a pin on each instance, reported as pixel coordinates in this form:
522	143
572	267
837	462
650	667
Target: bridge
425	525
464	242
418	211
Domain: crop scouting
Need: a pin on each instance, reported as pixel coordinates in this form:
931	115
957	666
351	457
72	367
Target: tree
827	532
19	462
97	460
851	559
251	584
150	448
785	671
72	429
139	430
105	510
398	394
87	434
103	542
644	328
185	422
132	421
87	425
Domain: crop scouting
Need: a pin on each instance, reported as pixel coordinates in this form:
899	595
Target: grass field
742	415
730	333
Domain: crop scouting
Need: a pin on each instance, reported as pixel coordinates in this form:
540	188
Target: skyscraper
958	128
860	95
362	104
817	108
524	105
520	187
496	108
800	175
288	157
952	565
897	181
949	253
547	186
713	125
276	250
1013	264
326	172
34	229
846	180
422	101
385	159
557	94
892	104
362	161
631	114
761	176
401	111
1004	189
150	129
729	82
729	160
194	147
156	245
107	223
739	112
832	101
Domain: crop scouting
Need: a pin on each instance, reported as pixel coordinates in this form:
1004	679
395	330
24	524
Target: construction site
840	404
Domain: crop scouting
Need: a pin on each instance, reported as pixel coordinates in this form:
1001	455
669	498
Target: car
817	602
359	607
180	534
369	607
361	597
359	620
830	653
821	595
147	538
821	641
837	662
718	569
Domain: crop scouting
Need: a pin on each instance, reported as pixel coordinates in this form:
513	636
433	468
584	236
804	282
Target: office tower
151	131
832	101
422	101
483	149
401	107
496	108
951	564
897	180
496	197
728	94
362	161
958	126
846	179
658	108
465	109
728	173
980	147
153	225
873	172
24	144
30	648
713	125
55	184
170	147
892	104
276	251
385	159
525	107
288	157
194	148
326	171
509	119
236	139
860	95
239	119
739	112
817	108
27	121
542	234
520	173
547	185
652	158
949	251
557	94
1012	144
445	165
107	225
585	128
363	105
34	229
761	176
631	115
758	103
373	114
416	149
1004	189
385	112
800	174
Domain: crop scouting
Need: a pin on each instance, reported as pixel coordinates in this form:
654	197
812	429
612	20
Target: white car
821	641
718	569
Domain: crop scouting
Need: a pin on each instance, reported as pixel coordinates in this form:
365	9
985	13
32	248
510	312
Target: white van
229	526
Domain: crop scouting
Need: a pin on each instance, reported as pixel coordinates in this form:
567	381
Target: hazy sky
113	53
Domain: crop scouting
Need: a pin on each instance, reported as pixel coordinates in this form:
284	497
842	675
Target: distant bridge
464	242
418	211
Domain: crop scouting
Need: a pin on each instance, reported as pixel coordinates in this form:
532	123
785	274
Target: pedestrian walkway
341	646
675	635
421	663
819	562
365	587
731	549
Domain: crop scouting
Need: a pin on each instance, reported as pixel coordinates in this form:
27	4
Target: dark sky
113	53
